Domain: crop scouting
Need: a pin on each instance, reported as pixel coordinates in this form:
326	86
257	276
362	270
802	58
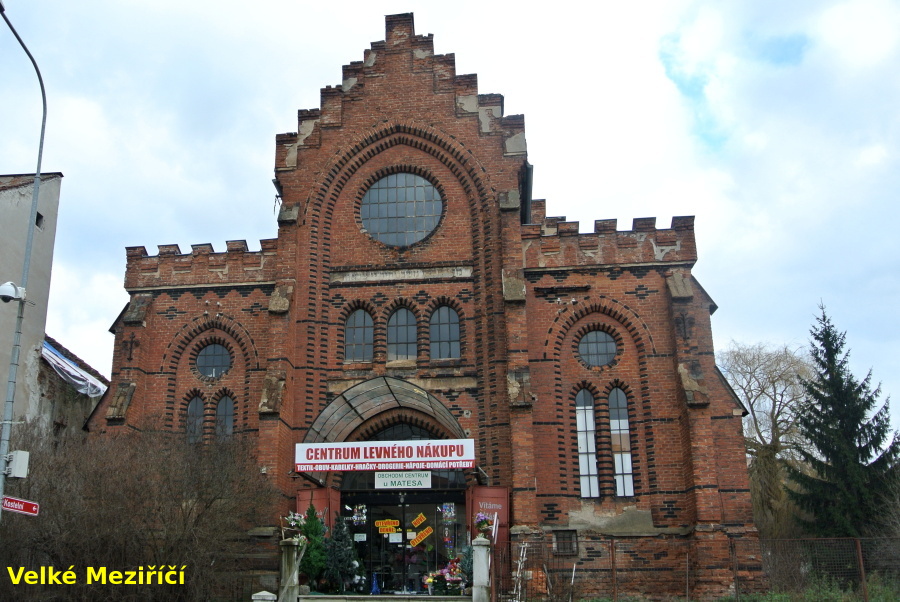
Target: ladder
519	581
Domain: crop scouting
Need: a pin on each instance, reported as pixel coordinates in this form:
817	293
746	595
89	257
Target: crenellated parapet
400	62
202	266
555	242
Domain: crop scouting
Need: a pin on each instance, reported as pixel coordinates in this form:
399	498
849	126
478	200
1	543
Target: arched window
194	420
621	442
587	443
444	333
358	337
224	418
401	335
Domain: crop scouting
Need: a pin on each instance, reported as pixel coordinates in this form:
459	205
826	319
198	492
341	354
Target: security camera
9	291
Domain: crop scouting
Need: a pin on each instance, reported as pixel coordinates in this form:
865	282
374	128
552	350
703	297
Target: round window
597	348
401	209
213	361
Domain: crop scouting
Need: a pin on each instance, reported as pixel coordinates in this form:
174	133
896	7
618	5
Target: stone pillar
263	596
289	585
481	562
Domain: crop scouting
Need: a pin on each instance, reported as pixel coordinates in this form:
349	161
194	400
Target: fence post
289	587
732	545
687	572
612	566
481	558
862	571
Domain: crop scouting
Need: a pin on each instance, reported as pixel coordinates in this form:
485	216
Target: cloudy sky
777	124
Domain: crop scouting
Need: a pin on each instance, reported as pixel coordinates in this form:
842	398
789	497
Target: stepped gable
400	64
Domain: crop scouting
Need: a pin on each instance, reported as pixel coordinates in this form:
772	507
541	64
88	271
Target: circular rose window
401	209
213	361
597	348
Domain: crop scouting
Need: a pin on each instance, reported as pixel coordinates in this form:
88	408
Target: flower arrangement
295	522
446	580
484	522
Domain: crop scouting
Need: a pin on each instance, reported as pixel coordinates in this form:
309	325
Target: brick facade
526	288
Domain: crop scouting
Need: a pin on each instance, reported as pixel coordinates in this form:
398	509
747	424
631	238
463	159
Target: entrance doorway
402	536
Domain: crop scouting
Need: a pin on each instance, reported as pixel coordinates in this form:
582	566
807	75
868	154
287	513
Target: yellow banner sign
421	536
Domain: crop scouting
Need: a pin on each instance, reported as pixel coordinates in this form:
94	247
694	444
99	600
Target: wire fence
864	569
696	569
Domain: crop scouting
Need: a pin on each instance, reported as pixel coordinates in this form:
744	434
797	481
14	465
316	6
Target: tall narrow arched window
358	337
621	442
587	443
194	420
401	335
224	418
444	334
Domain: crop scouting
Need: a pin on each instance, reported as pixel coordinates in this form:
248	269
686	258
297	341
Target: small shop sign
403	480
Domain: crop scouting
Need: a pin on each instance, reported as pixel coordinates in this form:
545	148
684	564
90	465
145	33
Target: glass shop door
403	536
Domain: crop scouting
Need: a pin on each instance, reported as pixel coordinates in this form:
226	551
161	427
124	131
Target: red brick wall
530	292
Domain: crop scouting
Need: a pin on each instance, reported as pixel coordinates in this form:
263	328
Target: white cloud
860	34
83	305
871	156
774	123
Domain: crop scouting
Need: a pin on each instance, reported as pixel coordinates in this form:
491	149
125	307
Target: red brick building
416	294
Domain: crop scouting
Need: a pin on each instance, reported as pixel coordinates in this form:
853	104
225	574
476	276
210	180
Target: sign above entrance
403	480
386	455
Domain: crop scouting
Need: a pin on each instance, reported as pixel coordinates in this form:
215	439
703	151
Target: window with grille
224	418
194	420
621	442
213	361
401	335
359	337
586	427
401	209
565	542
444	334
597	348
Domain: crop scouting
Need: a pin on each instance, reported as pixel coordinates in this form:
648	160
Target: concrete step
385	598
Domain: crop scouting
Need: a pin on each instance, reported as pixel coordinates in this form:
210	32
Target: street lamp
18	292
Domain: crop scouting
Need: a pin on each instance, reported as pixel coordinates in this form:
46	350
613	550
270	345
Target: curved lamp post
19	291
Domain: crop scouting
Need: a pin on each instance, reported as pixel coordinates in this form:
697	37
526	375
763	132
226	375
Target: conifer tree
851	458
342	566
313	562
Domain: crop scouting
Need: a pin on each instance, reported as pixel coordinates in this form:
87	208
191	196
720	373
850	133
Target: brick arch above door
368	400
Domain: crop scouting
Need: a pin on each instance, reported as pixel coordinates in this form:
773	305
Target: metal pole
403	540
862	571
26	264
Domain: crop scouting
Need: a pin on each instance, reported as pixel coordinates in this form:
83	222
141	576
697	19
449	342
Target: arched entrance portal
406	521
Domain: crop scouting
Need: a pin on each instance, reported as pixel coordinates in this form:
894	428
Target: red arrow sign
21	506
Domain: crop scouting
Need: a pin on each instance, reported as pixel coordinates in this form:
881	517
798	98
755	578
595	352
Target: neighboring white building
15	212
